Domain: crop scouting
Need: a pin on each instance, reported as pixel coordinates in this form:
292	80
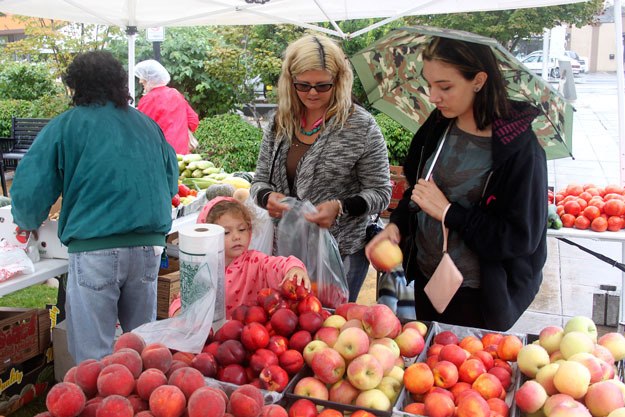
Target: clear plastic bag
318	250
188	331
13	261
262	229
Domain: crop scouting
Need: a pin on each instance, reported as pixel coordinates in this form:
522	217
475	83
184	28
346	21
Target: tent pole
620	84
131	34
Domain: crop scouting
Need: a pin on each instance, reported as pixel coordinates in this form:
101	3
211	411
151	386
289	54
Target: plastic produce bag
188	331
262	229
318	250
14	261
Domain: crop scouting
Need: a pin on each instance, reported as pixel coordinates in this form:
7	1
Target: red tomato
599	224
592	191
592	212
183	190
582	203
175	201
614	207
560	210
613	188
574	189
587	186
615	223
568	220
572	207
582	223
559	198
586	196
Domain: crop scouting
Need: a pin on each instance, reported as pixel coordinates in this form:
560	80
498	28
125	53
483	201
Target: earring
476	89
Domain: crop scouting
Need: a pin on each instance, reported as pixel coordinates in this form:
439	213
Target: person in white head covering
166	105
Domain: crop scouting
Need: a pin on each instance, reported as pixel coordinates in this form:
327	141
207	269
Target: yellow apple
386	255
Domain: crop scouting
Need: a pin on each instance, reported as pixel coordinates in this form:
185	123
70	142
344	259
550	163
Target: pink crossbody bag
446	279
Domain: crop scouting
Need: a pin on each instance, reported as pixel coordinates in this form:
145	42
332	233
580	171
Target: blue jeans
105	285
356	267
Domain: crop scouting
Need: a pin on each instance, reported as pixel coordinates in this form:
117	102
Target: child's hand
299	276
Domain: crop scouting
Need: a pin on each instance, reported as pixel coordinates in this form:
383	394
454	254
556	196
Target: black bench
12	150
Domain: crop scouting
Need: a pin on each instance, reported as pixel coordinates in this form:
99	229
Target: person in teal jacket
116	174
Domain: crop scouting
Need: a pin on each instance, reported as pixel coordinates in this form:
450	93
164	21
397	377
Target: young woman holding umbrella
476	166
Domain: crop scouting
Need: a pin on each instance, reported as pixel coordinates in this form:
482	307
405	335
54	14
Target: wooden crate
168	288
19	335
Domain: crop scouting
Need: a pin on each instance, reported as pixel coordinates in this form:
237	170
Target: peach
186	357
262	358
167	401
231	330
489	386
138	404
304	408
445	374
311	321
299	340
438	405
454	354
86	376
509	347
504	376
603	397
446	337
273	410
115	379
491	339
471	344
576	342
499	406
174	366
470	369
129	340
187	379
485	357
530	397
156	355
231	352
233	373
592	363
418	378
65	399
473	406
385	255
570	409
255	335
144	414
554	400
70	375
246	401
204	399
550	338
115	406
130	358
531	358
148	381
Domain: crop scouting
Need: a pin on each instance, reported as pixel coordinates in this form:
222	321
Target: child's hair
232	207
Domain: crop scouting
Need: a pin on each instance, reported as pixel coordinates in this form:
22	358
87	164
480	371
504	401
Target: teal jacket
115	171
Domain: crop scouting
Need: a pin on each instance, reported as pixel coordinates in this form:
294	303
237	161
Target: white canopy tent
142	14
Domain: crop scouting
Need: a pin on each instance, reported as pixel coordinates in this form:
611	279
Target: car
534	61
583	61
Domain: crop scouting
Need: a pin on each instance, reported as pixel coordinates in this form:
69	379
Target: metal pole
131	34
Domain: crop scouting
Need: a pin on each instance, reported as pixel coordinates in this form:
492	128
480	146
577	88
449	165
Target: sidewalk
571	276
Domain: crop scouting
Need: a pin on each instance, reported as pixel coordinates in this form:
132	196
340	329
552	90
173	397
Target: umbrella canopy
390	71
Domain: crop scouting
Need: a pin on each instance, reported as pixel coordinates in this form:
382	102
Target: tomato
615	223
559	198
193	193
592	212
599	224
582	223
175	201
614	207
183	190
560	210
586	196
613	188
592	191
574	189
572	207
597	202
568	220
582	203
587	186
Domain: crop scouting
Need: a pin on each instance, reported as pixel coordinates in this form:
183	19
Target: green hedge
397	138
45	107
229	141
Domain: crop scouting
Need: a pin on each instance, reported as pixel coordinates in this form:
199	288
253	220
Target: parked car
583	61
534	61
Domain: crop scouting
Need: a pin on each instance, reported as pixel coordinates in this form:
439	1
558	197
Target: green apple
581	324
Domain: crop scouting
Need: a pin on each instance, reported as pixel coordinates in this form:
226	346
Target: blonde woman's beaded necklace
316	127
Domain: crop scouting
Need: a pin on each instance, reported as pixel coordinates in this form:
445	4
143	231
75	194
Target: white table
570	233
44	270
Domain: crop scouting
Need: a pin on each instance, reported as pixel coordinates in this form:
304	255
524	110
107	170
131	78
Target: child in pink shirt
247	271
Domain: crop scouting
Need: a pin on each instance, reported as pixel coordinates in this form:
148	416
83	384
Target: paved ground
571	276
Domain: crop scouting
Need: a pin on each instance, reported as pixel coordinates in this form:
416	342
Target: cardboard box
49	244
63	361
24	333
20	384
168	288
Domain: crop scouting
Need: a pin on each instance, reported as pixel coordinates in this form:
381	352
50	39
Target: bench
12	149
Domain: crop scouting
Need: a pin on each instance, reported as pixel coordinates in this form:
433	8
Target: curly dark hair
97	77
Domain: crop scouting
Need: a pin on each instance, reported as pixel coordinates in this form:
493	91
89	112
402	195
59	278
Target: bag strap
445	230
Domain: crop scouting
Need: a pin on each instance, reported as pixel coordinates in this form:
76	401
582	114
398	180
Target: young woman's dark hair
470	58
97	77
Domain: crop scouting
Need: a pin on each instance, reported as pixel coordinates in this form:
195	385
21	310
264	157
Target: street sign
155	34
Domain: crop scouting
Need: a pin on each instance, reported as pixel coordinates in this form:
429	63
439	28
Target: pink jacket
170	110
252	271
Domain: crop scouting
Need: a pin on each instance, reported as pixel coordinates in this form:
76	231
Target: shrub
45	107
27	81
397	138
229	142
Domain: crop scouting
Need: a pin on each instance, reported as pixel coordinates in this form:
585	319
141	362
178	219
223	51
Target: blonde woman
322	147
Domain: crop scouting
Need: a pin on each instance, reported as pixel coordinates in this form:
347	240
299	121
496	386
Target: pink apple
311	387
615	342
310	350
328	334
328	365
410	342
550	338
365	372
530	397
355	311
351	323
419	325
389	343
572	378
335	321
343	392
603	397
351	343
385	255
390	387
379	320
545	375
384	355
592	363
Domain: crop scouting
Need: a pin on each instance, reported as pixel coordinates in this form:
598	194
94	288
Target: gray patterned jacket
341	163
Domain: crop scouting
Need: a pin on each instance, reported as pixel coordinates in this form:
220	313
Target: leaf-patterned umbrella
390	71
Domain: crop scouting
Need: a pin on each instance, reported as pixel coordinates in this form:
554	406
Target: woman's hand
326	215
430	198
275	207
299	276
390	232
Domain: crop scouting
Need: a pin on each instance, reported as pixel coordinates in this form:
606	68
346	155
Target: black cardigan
507	229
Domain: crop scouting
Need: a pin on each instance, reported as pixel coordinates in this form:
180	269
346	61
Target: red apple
310	303
303	408
234	373
379	320
328	335
328	365
343	392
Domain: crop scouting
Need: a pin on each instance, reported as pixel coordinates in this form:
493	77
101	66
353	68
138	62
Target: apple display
343	392
328	365
365	372
311	387
351	343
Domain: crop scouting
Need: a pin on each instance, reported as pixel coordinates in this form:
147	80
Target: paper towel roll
202	266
